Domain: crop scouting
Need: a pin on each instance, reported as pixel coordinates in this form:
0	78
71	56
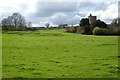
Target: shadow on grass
32	33
106	44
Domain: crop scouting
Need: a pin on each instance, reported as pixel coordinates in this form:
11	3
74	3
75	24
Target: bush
115	31
13	28
8	27
71	29
97	31
78	29
87	30
105	31
75	29
20	27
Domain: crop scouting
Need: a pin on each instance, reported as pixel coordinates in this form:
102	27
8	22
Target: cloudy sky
58	12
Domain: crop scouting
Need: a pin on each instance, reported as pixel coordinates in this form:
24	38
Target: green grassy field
56	54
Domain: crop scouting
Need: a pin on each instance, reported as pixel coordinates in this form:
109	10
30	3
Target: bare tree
47	25
14	21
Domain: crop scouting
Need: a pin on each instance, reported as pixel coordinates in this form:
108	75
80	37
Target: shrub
75	29
78	29
71	29
87	30
102	31
115	31
20	27
8	27
105	31
97	31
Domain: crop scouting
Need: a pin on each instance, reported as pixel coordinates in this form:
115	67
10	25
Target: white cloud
31	6
8	7
28	8
111	12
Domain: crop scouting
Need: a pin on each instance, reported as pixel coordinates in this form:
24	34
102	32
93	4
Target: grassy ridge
55	54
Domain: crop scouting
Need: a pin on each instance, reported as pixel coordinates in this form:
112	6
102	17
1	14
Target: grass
0	54
56	54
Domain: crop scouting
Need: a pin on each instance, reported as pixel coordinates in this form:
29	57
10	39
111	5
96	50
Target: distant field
56	54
